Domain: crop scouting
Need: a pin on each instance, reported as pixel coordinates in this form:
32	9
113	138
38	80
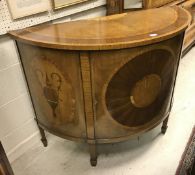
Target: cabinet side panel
54	81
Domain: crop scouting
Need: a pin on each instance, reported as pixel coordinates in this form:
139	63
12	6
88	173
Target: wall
7	23
18	130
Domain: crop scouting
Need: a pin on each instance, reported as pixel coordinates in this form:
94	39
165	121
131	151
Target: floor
150	154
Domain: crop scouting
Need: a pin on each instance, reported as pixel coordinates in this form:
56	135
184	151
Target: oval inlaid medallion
145	91
138	91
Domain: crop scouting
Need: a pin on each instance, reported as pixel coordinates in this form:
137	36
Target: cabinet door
132	88
55	86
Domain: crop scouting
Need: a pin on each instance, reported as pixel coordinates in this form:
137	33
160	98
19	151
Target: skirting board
21	148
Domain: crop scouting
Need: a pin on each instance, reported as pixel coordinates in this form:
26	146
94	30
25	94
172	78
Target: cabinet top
111	32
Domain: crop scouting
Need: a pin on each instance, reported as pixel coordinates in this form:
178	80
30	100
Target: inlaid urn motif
56	89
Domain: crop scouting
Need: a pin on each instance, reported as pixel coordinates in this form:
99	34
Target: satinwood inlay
112	32
146	90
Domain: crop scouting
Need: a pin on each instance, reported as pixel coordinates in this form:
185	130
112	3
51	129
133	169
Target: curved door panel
132	88
55	85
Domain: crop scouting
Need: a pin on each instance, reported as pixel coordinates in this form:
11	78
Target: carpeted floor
187	163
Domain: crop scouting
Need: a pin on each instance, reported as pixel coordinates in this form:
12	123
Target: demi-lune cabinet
106	79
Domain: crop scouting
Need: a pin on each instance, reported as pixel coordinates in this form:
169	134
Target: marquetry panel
137	91
54	80
132	88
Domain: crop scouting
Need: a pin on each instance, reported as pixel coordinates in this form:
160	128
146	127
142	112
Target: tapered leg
93	154
165	122
165	126
43	137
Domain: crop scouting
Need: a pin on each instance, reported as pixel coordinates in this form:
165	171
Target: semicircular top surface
111	32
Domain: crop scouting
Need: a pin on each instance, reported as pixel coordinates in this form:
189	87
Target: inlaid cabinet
103	80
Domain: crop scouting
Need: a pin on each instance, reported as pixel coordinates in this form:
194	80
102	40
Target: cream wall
16	114
18	130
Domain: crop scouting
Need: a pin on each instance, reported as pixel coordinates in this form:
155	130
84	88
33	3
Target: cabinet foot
164	126
93	162
43	137
93	154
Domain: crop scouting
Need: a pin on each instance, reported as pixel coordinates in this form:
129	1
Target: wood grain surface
111	32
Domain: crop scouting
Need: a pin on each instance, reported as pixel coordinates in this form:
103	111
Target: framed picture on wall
57	4
22	8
